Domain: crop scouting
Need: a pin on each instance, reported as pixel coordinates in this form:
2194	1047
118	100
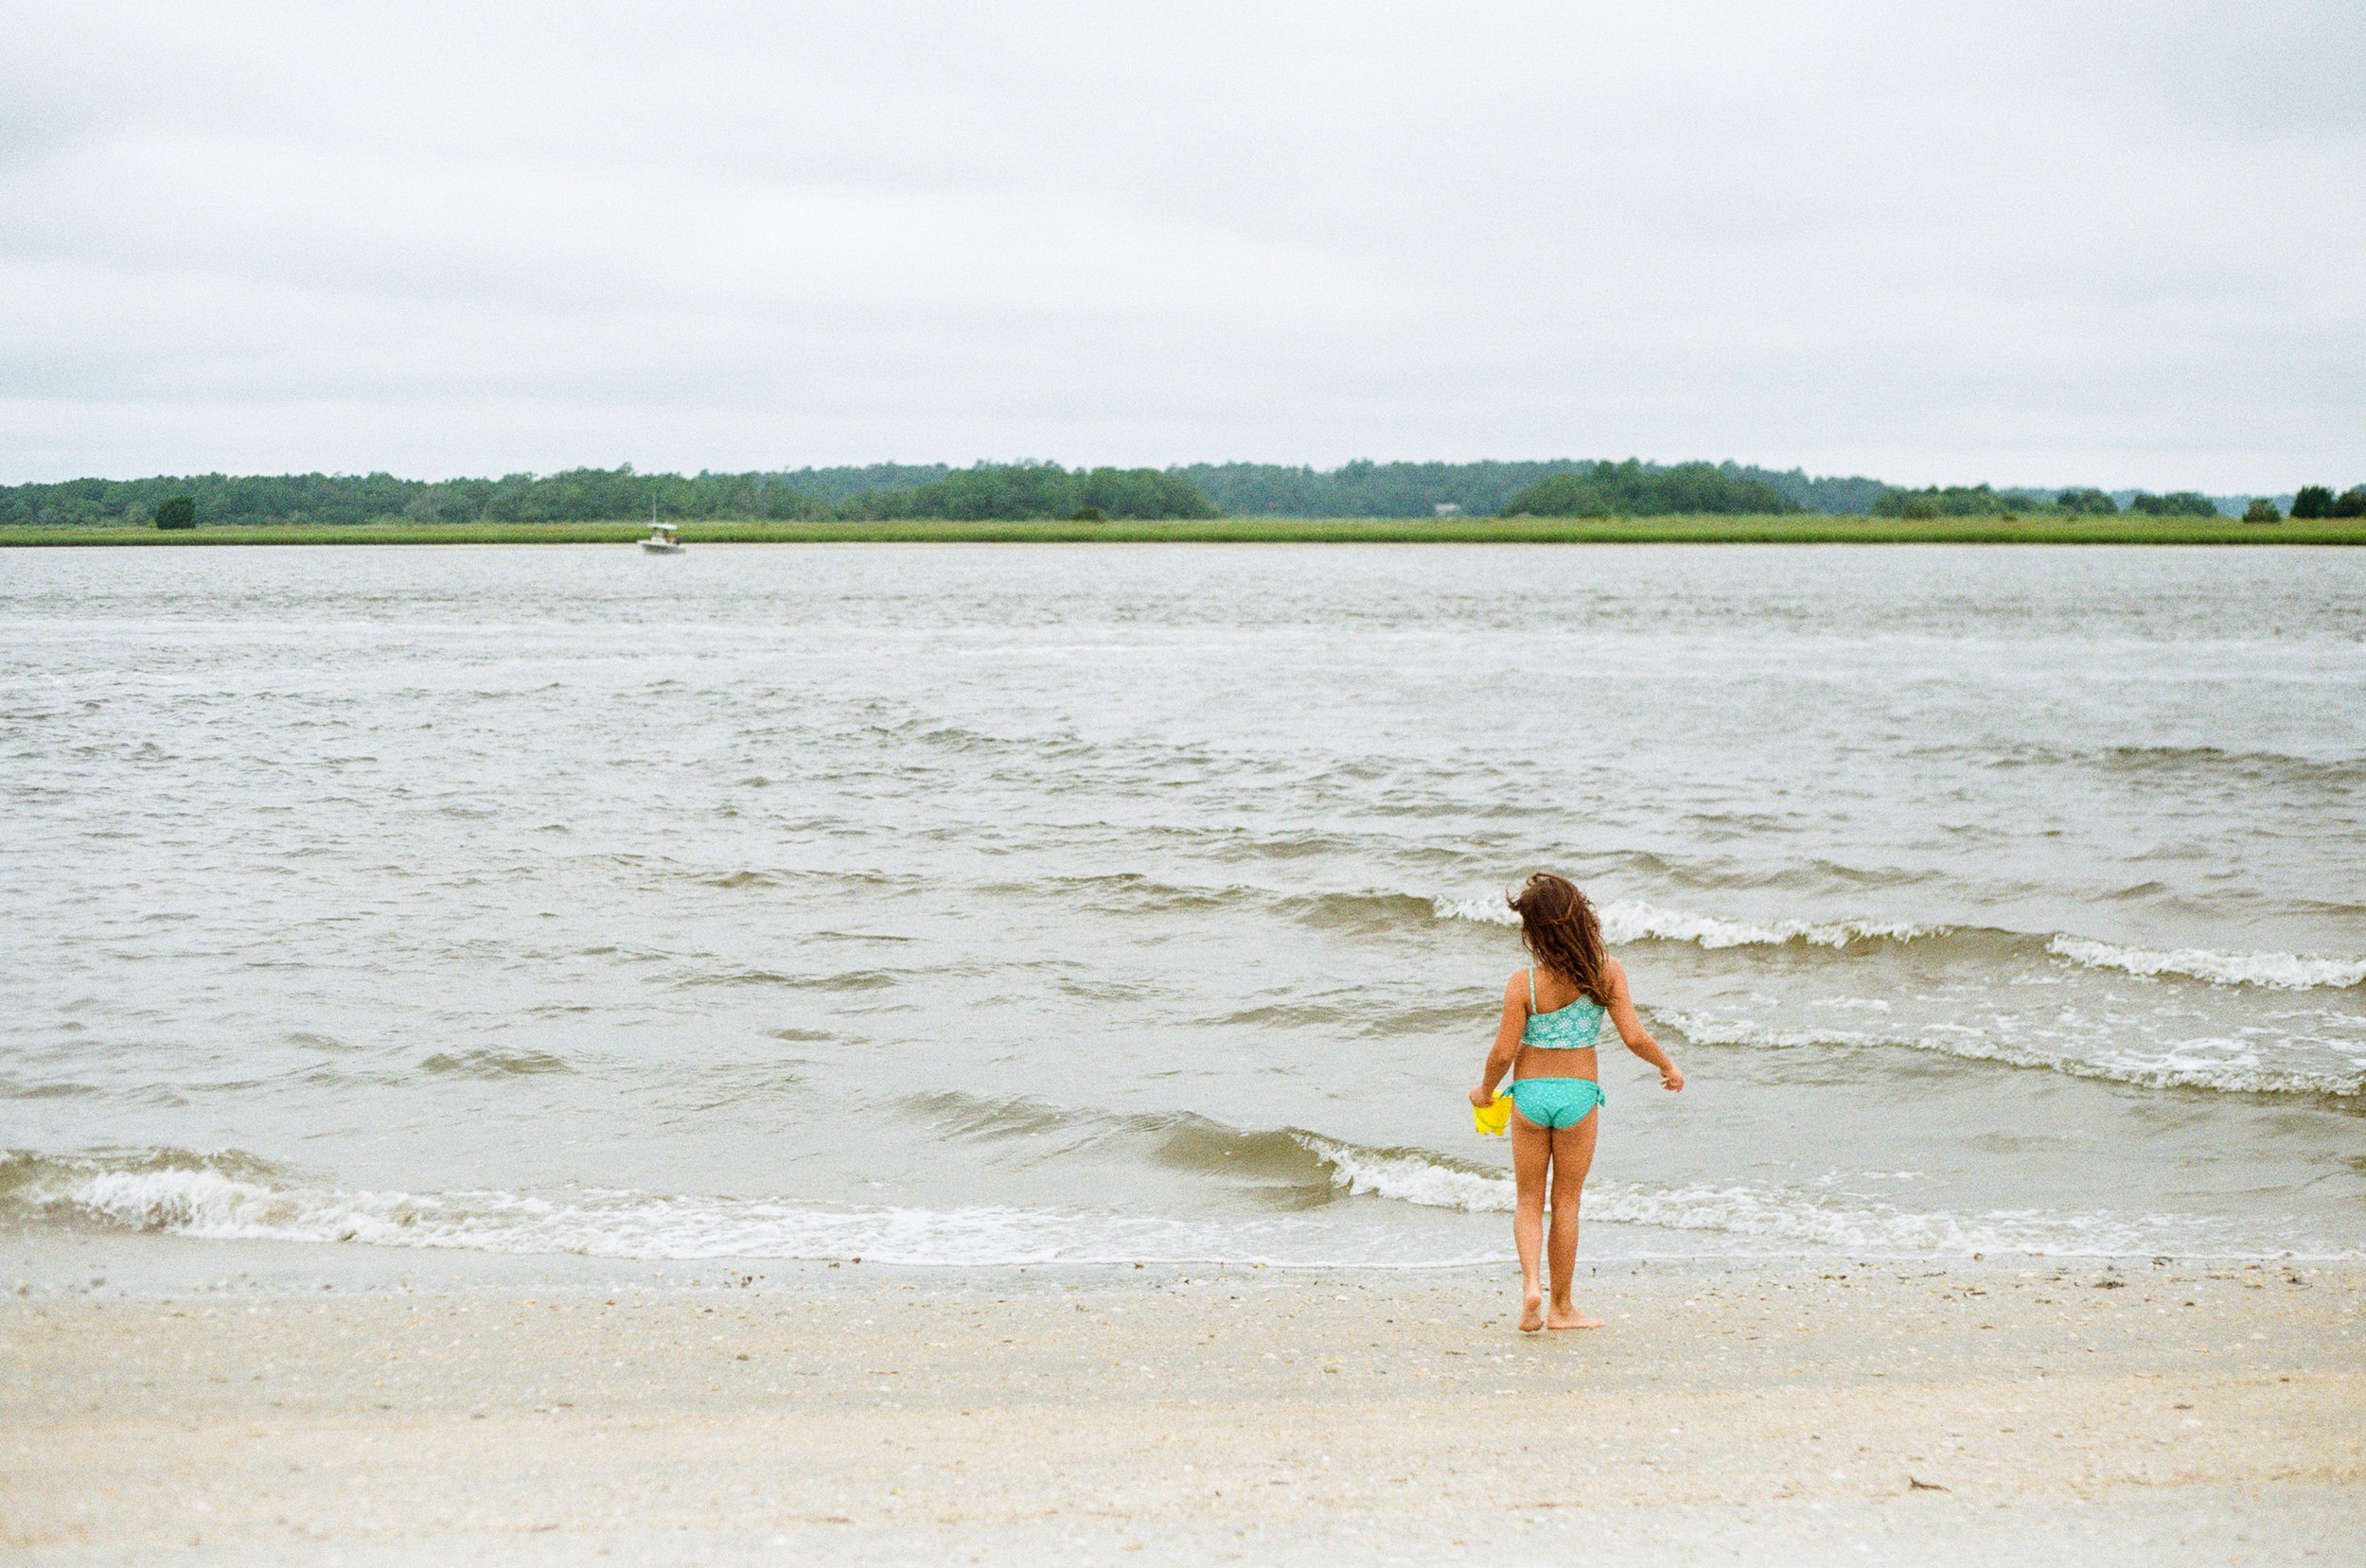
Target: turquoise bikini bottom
1556	1101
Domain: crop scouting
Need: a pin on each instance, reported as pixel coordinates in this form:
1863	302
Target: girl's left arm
1507	1032
1630	1030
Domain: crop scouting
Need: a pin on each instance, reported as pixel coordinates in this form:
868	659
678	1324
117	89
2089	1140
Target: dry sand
2176	1412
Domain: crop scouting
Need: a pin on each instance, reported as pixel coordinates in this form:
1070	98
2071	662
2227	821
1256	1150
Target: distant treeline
1561	487
1974	500
2318	500
1366	489
1631	490
585	495
1015	490
577	496
1360	489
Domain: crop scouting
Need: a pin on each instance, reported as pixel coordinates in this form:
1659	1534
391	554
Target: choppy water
1004	903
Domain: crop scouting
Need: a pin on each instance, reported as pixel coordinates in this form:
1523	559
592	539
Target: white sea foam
1633	920
2286	971
1410	1176
1764	1213
1629	920
2232	1066
208	1204
1486	911
1747	1218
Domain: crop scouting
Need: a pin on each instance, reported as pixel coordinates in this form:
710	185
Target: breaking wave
1626	920
2285	971
1382	911
232	1197
1287	1167
1409	1175
2225	1065
1630	921
1767	1213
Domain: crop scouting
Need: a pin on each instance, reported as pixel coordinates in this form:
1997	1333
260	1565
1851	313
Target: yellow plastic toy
1492	1119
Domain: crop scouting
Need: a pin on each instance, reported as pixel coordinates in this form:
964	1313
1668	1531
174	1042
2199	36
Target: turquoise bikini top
1571	1027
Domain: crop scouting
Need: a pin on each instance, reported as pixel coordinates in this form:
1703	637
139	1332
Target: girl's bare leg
1573	1157
1531	1152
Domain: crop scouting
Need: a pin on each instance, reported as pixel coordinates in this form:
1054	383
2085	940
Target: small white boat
665	540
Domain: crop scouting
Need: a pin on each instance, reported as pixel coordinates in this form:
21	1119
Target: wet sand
2041	1413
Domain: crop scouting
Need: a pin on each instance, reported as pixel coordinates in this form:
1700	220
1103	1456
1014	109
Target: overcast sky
1934	242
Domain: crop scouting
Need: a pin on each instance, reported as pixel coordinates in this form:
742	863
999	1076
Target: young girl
1552	1011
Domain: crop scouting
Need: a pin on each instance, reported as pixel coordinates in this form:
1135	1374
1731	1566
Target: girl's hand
1673	1078
1482	1098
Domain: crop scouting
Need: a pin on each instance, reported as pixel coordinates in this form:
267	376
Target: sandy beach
1834	1412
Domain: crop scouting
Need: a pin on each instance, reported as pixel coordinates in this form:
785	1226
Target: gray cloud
1960	241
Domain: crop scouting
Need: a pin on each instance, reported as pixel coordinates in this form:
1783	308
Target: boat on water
665	540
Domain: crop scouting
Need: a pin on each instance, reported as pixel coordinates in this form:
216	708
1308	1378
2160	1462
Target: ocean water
1014	905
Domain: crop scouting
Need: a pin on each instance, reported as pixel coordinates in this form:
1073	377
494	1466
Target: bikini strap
1532	988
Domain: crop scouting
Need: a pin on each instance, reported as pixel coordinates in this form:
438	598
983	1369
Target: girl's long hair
1560	929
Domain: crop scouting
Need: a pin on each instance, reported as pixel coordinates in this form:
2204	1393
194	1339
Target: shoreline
862	1413
91	1263
1812	529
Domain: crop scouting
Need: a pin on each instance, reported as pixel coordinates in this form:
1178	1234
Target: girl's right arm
1509	1028
1630	1030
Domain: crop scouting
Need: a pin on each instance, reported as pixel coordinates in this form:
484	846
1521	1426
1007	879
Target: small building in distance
1447	509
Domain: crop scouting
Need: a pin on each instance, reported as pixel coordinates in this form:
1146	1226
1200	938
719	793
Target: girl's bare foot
1532	1312
1569	1317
